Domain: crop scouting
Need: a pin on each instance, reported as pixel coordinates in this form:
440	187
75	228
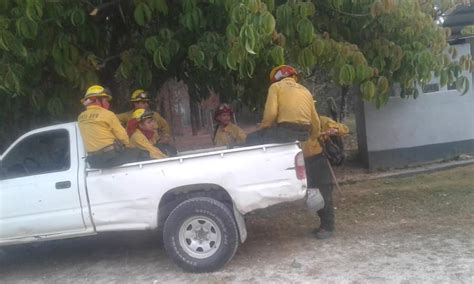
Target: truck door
39	187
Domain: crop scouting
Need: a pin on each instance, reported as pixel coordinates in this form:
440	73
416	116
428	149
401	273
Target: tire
201	235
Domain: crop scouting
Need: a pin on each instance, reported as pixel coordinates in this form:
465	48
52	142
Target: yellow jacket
141	142
312	146
162	128
288	101
229	135
99	128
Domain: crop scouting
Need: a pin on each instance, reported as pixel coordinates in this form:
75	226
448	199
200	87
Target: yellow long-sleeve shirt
162	127
229	135
312	146
99	128
288	101
141	142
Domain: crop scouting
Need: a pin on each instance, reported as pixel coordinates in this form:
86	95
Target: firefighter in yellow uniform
105	140
141	100
141	129
319	174
289	113
226	132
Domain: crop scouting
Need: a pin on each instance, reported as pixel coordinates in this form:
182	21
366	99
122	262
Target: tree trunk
195	123
343	106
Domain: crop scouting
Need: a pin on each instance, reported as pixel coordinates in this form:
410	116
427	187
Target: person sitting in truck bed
289	114
142	135
141	100
226	133
105	140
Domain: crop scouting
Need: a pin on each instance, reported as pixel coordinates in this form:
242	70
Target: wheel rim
200	237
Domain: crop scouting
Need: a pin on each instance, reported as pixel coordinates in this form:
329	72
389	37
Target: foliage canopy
51	50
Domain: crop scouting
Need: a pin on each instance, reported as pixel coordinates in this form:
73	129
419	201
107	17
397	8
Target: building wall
437	125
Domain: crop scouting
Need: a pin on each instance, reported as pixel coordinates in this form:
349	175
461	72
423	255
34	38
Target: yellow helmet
139	95
141	114
96	91
281	72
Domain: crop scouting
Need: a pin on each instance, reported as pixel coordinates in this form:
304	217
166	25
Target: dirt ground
416	229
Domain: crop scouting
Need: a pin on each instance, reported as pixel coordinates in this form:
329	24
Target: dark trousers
113	158
319	175
276	134
167	149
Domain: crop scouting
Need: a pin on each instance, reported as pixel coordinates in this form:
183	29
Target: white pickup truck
47	191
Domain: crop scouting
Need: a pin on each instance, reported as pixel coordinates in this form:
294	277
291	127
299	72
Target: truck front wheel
200	235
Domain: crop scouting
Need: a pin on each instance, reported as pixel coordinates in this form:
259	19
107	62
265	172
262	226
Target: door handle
63	184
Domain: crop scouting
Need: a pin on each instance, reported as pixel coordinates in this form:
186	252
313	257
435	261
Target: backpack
334	150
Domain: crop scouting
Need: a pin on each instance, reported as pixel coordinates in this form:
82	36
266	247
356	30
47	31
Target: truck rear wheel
200	235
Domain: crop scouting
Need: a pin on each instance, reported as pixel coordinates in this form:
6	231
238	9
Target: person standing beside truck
140	129
226	133
105	140
319	175
289	113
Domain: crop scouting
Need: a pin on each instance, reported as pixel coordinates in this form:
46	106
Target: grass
447	193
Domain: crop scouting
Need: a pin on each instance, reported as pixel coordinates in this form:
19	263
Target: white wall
433	118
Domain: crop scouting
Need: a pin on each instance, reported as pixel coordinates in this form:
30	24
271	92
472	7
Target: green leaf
125	69
4	23
158	59
231	61
305	31
26	27
7	40
151	44
173	47
166	34
346	75
462	85
278	55
144	77
383	85
199	59
368	90
268	22
222	59
159	5
11	81
77	17
34	9
142	14
232	31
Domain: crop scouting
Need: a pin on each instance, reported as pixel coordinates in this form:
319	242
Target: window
452	86
38	154
431	88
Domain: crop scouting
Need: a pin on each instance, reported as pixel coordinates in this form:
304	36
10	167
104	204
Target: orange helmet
281	72
223	108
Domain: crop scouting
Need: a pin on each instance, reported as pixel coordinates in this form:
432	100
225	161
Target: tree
52	50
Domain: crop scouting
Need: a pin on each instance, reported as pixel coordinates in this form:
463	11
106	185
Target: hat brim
139	100
109	97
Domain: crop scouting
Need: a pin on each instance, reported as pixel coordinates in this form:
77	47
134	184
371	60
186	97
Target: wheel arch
175	196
